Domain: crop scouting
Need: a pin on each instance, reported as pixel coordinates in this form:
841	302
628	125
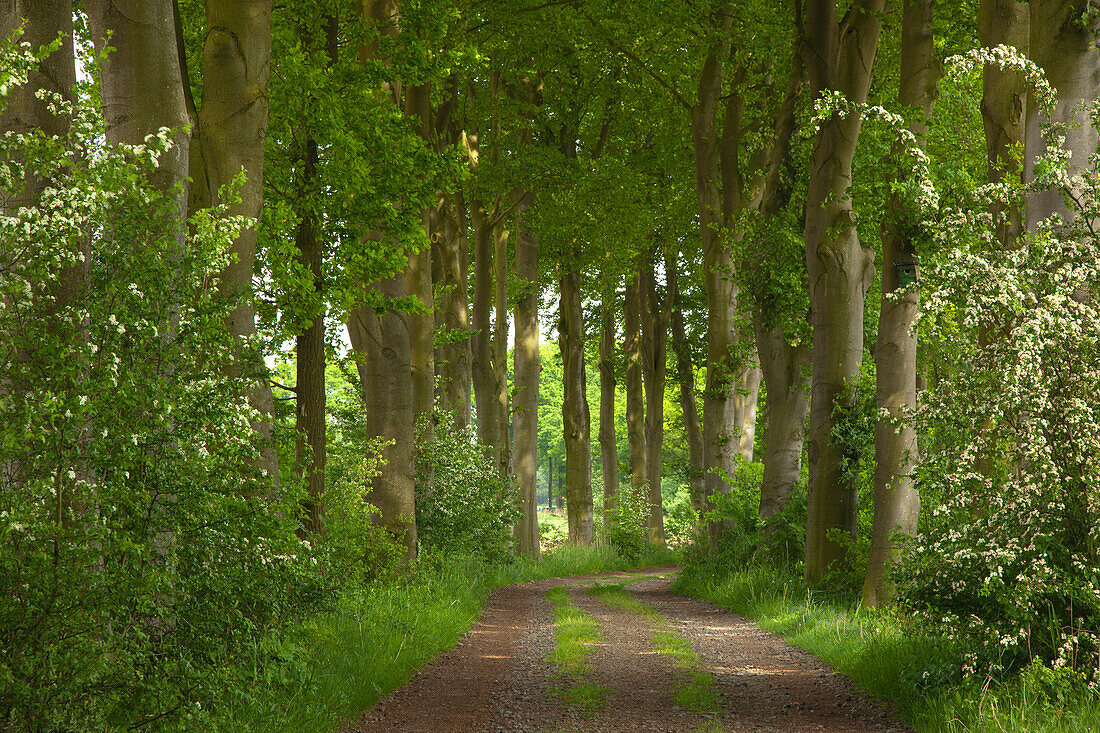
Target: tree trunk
654	371
418	283
719	444
488	416
838	264
786	373
550	483
383	359
745	401
500	346
228	137
576	421
635	400
454	366
310	420
142	84
1064	47
897	503
1003	102
381	344
609	445
527	368
685	374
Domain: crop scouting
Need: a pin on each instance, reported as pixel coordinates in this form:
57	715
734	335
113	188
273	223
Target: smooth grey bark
1004	99
576	421
418	283
501	398
228	140
381	345
784	361
897	503
654	319
609	444
838	264
488	425
1062	42
383	350
528	365
745	401
635	397
786	370
454	365
142	84
719	443
685	376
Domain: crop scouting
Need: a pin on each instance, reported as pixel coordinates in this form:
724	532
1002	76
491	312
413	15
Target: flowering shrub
140	556
1009	560
462	504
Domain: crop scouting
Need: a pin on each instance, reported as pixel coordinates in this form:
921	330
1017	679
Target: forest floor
621	652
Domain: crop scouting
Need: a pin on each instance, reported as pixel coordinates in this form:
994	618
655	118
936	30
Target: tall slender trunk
720	443
897	503
418	282
1062	42
786	371
454	364
500	347
654	371
1004	97
310	421
839	265
685	375
383	359
527	368
550	483
228	137
488	416
381	344
609	445
576	421
142	84
635	398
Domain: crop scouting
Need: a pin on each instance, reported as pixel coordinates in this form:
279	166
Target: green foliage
462	504
144	557
627	529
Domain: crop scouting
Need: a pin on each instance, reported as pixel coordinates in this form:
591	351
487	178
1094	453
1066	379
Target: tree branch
670	88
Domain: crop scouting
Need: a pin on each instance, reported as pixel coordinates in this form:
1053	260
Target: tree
897	503
839	58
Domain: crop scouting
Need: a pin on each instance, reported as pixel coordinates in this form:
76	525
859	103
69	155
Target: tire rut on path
499	678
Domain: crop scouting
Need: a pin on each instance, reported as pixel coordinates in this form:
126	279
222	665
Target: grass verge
890	657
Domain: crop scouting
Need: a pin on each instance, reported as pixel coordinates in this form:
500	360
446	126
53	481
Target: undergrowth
891	657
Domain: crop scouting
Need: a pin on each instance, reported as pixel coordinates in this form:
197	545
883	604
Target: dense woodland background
296	292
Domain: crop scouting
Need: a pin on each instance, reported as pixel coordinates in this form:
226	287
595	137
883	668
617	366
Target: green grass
891	658
577	634
694	688
342	663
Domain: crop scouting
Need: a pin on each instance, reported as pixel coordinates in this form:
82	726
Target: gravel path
500	679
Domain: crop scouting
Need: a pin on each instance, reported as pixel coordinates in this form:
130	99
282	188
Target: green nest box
907	272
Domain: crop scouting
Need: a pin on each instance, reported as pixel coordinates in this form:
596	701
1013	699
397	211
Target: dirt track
500	678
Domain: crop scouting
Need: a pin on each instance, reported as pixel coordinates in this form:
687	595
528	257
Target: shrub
462	504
